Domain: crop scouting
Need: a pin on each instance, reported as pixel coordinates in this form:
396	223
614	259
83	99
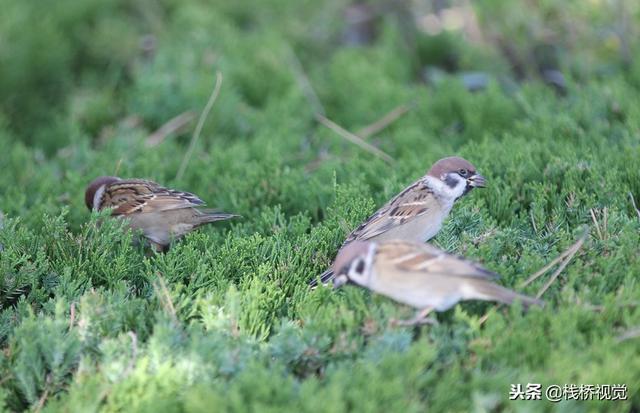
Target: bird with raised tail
162	214
417	213
419	275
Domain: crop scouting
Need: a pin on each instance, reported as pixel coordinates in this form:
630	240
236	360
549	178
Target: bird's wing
416	200
131	196
428	260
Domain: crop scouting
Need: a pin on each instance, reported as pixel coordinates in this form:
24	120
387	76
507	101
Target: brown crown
93	187
450	164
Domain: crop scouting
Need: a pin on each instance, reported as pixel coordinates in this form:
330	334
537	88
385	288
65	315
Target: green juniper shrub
92	320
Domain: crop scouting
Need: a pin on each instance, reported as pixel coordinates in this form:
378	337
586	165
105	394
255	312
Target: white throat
446	194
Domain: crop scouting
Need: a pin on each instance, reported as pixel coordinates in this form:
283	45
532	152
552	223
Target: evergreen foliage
90	320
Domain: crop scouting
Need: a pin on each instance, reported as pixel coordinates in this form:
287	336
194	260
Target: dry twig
354	139
198	130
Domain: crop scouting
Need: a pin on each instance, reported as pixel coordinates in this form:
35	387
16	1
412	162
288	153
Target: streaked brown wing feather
137	195
409	204
428	259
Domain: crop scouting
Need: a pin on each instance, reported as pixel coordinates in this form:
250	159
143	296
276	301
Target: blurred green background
541	95
70	71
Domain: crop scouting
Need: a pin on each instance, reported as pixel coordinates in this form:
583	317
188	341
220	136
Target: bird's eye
463	172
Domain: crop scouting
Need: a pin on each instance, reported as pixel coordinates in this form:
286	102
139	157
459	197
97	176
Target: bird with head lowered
162	214
419	275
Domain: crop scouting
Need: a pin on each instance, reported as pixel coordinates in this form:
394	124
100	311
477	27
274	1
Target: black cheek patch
451	181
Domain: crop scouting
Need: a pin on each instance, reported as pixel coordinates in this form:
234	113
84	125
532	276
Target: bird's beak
339	281
477	181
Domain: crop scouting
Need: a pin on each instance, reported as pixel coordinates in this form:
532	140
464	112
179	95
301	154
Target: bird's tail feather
213	216
325	278
495	292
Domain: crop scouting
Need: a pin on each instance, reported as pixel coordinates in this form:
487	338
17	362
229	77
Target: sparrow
417	213
161	213
419	275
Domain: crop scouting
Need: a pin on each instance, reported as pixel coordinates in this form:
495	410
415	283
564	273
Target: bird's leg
158	247
418	319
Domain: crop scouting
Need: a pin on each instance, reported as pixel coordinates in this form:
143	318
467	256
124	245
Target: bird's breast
420	229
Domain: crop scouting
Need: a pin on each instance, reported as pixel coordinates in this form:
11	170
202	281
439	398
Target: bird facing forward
417	213
419	275
162	214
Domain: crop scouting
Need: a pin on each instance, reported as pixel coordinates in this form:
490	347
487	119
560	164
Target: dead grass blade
484	318
602	224
134	353
118	165
629	334
568	253
174	125
633	202
562	266
45	394
165	298
305	84
354	139
72	315
198	130
383	122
